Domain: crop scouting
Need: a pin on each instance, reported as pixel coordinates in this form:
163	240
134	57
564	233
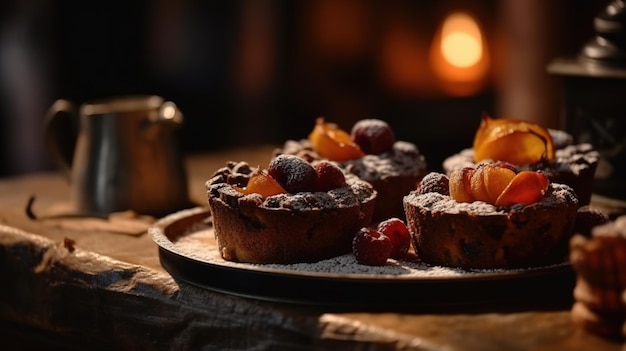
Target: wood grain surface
70	284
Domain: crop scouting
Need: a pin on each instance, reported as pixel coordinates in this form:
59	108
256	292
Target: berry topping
515	141
333	143
293	173
373	136
398	233
498	185
371	247
434	182
329	176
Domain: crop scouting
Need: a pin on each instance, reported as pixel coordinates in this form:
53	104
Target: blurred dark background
260	71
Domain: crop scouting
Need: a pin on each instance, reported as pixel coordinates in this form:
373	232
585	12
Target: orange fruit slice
261	183
477	185
333	143
460	184
498	185
496	179
488	181
526	188
514	141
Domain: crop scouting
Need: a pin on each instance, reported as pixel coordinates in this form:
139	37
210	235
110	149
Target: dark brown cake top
575	158
436	202
403	159
354	193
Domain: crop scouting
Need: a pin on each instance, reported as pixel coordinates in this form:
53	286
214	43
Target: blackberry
293	173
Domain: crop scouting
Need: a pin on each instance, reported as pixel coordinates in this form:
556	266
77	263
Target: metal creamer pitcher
121	155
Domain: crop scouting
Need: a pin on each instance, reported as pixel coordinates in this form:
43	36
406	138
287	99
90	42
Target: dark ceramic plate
188	252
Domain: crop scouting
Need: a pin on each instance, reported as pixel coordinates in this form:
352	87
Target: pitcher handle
61	130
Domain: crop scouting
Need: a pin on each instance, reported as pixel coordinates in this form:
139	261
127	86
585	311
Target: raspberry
371	247
434	182
399	235
329	176
293	173
373	136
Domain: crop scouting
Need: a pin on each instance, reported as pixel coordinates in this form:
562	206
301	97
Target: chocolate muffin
479	235
600	265
307	226
393	172
574	164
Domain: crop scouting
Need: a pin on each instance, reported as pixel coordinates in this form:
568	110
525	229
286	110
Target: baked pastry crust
599	261
393	174
285	228
480	235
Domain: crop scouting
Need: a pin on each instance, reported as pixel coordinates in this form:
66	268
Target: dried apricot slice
497	184
477	183
526	188
487	123
261	183
333	143
489	180
460	184
515	141
496	179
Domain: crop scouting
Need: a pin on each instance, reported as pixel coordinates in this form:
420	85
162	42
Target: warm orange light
459	56
404	65
461	42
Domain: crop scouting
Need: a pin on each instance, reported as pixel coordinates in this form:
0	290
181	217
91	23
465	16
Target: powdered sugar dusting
405	159
574	158
200	245
346	264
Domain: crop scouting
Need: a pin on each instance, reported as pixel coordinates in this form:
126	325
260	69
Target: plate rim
223	279
157	231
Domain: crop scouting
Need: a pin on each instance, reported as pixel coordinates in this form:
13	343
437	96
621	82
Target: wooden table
72	283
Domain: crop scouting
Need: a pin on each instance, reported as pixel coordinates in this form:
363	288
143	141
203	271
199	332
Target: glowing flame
461	42
458	54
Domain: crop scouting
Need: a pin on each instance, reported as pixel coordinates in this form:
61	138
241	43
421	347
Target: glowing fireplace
459	56
447	57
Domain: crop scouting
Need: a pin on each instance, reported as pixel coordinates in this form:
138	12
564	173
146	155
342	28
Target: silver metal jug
121	155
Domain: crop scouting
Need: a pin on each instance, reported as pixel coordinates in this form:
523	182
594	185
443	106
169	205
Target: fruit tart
292	211
491	216
369	151
530	146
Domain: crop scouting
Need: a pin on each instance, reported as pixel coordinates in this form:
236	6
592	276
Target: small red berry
398	233
434	182
371	247
329	176
374	136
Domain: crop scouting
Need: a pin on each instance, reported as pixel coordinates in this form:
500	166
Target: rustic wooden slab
69	285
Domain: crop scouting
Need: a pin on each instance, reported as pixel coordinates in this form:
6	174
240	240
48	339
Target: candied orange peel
261	183
511	140
497	185
333	143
